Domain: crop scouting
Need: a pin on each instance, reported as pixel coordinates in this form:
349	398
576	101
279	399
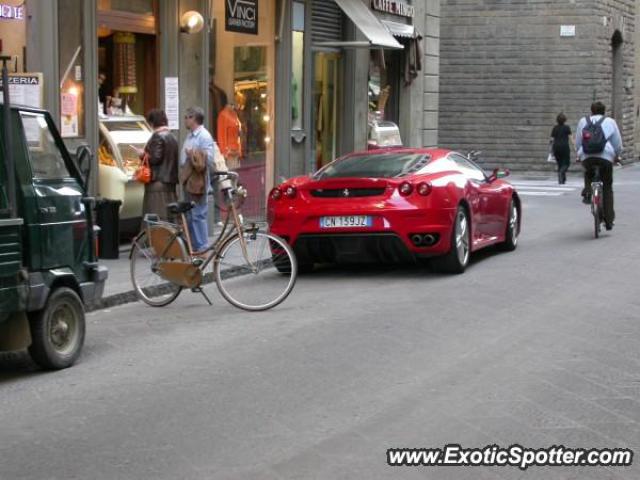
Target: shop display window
327	97
127	50
242	102
71	64
385	67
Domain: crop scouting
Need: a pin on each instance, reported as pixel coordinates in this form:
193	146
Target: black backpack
593	137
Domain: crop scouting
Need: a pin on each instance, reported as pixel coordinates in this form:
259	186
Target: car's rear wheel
513	229
457	259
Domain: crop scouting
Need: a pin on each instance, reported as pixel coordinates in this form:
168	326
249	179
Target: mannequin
229	136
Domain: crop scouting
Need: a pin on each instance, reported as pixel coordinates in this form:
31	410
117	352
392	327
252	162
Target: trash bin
108	219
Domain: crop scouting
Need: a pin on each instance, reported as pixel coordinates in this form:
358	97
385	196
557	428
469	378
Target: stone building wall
506	72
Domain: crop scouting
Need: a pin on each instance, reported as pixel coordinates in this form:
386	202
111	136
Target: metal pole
8	139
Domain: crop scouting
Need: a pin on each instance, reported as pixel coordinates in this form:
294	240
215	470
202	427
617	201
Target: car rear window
380	165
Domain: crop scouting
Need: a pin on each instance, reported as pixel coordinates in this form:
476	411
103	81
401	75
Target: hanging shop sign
10	12
241	16
394	7
25	89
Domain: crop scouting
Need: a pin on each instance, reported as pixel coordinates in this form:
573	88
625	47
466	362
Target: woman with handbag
161	157
560	138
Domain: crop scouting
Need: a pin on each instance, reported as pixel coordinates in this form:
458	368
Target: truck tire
58	330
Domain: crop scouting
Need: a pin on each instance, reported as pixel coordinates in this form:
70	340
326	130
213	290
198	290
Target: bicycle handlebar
224	174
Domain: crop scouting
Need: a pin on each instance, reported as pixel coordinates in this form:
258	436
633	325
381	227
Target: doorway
326	102
617	77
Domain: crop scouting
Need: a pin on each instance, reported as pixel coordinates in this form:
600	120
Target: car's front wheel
457	259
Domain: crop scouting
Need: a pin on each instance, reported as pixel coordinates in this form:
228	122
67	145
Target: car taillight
405	189
276	194
424	188
290	192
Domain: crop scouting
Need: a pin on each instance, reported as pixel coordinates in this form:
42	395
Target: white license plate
346	221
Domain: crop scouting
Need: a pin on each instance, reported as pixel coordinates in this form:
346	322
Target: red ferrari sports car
396	205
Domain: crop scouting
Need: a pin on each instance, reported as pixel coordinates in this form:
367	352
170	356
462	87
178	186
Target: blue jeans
197	219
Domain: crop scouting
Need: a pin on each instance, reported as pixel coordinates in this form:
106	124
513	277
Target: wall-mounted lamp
191	22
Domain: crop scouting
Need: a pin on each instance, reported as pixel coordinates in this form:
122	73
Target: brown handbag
193	174
143	173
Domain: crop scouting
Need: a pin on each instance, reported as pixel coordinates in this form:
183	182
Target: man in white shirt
603	159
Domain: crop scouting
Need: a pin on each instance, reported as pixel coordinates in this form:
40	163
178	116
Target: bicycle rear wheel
149	286
596	209
260	280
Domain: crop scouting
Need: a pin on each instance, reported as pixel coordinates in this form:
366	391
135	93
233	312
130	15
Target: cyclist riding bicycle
599	144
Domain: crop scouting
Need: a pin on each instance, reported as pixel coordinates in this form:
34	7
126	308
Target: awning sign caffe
394	7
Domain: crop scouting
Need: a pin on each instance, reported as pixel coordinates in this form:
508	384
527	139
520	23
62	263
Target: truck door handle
46	210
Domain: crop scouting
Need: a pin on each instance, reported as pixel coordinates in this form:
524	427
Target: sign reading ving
241	16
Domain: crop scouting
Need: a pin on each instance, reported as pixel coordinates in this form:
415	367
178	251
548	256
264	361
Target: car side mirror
499	173
84	158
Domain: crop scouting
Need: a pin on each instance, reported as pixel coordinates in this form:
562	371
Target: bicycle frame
213	250
163	253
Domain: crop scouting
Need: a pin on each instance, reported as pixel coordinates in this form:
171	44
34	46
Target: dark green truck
48	264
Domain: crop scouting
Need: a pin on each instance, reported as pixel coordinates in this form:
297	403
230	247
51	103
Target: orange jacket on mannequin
229	129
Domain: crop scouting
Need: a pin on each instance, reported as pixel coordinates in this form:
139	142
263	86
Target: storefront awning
401	30
377	34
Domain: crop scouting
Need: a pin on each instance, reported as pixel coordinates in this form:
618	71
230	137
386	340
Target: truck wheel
58	330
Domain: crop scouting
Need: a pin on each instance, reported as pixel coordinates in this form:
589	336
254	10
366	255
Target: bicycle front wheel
149	286
255	272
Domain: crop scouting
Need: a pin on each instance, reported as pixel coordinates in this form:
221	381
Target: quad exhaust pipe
424	240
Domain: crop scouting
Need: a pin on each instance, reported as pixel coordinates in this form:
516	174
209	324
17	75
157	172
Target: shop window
327	98
242	100
128	75
385	67
71	64
47	162
297	63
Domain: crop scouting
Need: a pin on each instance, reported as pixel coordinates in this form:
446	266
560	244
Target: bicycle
253	270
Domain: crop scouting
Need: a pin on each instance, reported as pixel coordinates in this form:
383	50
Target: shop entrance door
327	98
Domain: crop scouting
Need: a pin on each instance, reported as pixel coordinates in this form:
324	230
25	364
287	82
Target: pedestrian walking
560	138
196	161
162	155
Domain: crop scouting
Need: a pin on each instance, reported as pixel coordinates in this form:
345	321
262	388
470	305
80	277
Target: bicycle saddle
180	207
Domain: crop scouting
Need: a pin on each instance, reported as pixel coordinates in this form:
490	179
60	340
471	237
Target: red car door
476	180
494	206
